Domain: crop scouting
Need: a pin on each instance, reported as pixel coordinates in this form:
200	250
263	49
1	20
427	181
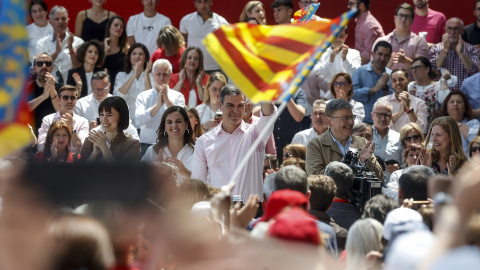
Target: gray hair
229	90
382	102
56	9
100	75
359	127
268	187
162	63
456	18
291	177
319	102
336	105
364	235
342	174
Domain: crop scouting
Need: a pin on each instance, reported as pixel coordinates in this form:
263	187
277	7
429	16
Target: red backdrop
231	9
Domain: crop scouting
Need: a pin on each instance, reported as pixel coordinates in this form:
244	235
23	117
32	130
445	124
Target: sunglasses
40	63
414	137
474	149
287	155
72	98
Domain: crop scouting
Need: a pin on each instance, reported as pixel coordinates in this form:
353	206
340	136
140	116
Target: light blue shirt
471	88
388	147
365	78
474	125
342	148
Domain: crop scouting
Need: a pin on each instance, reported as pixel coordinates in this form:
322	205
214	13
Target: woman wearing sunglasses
474	148
295	150
409	134
342	87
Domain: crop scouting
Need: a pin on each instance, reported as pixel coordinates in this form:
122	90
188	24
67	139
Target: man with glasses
338	139
368	29
318	124
472	31
406	108
454	54
67	96
406	45
430	21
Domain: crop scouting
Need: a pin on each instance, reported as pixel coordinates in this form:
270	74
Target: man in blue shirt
370	81
471	88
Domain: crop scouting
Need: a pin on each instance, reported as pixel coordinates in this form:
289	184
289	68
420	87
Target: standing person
428	20
40	27
219	152
90	56
144	27
341	86
249	118
135	78
254	9
282	11
91	23
191	79
171	45
368	29
58	141
472	31
194	122
175	142
115	48
197	25
209	110
61	45
318	124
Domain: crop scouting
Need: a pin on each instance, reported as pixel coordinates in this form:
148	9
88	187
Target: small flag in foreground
305	14
270	62
14	115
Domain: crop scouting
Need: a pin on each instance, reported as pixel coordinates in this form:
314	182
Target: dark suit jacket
81	71
322	150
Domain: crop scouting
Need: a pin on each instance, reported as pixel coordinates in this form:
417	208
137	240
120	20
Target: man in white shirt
318	122
144	27
197	25
61	45
67	96
152	103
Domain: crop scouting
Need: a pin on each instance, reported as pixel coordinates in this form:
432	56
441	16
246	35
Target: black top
45	108
472	34
114	63
81	71
92	30
344	214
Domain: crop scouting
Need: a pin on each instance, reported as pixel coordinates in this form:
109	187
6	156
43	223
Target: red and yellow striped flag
270	62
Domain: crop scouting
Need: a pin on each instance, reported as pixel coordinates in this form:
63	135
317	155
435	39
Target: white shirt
148	124
389	147
185	156
145	30
193	25
304	136
219	153
137	87
34	34
205	113
63	62
390	188
87	107
80	124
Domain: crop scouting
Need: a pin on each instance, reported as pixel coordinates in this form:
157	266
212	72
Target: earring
188	131
165	134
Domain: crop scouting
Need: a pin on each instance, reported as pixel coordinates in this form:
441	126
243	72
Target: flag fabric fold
305	14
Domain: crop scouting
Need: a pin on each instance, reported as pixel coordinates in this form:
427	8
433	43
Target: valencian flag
14	115
269	63
305	14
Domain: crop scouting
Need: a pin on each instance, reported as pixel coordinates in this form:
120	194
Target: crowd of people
138	92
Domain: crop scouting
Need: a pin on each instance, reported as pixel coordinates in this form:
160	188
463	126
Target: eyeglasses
381	115
414	137
455	29
287	155
40	63
415	68
72	98
269	162
346	118
474	149
101	89
404	16
339	83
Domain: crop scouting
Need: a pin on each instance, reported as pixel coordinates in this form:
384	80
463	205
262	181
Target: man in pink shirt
368	29
249	118
220	151
406	44
428	20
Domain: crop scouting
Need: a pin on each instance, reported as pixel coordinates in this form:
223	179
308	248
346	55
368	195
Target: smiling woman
58	141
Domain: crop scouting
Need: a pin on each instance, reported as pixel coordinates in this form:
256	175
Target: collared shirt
419	108
387	148
63	62
80	124
304	136
219	153
472	34
342	148
87	107
145	30
473	125
363	79
148	124
270	147
412	45
368	29
433	23
471	88
454	64
197	29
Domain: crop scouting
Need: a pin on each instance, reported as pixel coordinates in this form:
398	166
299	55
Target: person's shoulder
319	139
135	17
470	26
219	17
435	13
189	16
79	119
146	93
45	39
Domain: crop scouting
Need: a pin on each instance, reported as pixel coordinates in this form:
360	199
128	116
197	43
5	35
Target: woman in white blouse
175	142
136	77
341	86
211	101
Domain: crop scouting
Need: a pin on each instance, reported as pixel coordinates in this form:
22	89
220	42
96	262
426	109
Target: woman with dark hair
91	23
171	45
135	78
425	88
174	143
90	56
194	122
341	86
191	79
116	47
107	142
446	154
458	107
57	144
40	27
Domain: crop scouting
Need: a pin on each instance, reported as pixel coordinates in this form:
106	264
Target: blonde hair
406	129
298	150
216	76
248	8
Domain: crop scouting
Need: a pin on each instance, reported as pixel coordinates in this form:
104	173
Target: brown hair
162	140
349	81
49	140
468	108
183	60
300	163
192	191
476	140
82	50
122	41
198	130
323	190
406	129
298	150
171	39
413	147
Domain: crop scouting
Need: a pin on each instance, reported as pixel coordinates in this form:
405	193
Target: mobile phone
218	115
98	121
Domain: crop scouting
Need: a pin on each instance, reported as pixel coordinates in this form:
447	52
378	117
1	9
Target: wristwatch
410	110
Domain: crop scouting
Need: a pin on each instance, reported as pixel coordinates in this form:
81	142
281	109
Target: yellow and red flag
305	14
14	115
269	63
